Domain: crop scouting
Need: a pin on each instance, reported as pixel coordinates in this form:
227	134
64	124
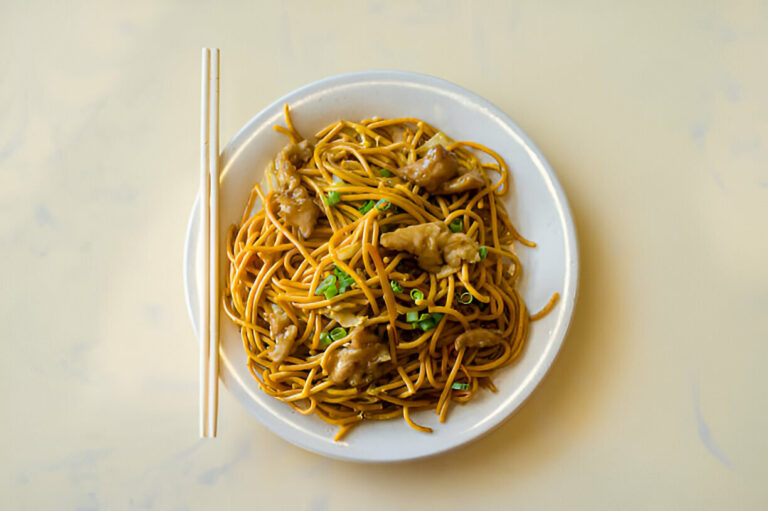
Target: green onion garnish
483	251
427	325
326	284
383	205
416	295
396	287
333	198
460	386
457	225
412	316
367	206
338	333
325	339
345	281
464	298
385	173
429	321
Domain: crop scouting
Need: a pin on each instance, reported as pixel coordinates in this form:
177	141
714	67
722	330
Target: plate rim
571	253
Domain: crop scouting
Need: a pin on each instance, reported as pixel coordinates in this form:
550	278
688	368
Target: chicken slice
422	240
433	244
297	208
458	247
287	160
478	338
282	331
358	363
431	171
471	180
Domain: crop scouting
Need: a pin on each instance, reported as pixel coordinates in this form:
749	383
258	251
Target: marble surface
654	116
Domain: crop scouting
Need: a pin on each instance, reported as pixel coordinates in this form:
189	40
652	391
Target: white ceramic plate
536	204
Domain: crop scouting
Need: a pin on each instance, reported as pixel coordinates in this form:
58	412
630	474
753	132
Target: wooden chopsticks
209	229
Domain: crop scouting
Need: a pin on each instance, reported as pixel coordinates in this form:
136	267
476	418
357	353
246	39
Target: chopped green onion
460	386
396	287
333	198
330	292
367	206
417	295
327	283
483	251
464	298
427	325
325	339
385	173
412	316
345	281
383	205
457	225
338	333
429	321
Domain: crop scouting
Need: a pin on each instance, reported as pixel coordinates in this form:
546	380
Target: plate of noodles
399	269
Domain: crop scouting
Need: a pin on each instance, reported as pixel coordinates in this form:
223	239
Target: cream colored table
655	118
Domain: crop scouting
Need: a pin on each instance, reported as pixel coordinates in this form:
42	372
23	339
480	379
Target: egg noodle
342	275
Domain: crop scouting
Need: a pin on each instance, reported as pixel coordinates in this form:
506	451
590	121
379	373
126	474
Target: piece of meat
297	208
431	171
433	244
287	160
478	338
282	331
458	247
358	363
422	240
471	180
